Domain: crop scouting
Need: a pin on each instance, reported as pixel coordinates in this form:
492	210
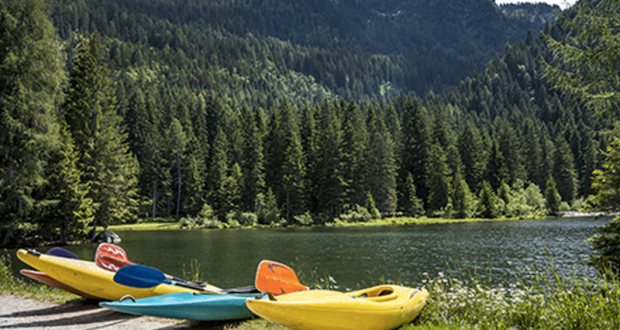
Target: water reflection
363	256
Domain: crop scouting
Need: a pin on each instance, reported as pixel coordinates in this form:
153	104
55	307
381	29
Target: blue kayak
187	306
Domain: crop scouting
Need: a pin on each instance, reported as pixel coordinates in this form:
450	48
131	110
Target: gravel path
21	313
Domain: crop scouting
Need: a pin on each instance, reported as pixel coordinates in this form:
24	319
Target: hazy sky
562	3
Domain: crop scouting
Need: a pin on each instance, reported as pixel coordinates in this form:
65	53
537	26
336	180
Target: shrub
359	214
304	219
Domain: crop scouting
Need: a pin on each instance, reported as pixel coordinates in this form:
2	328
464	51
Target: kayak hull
187	306
87	277
45	279
378	308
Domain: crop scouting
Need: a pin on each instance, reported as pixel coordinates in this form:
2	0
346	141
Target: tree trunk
154	199
179	193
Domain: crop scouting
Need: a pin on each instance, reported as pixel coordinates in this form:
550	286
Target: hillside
316	48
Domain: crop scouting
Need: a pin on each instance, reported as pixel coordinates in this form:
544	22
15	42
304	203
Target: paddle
145	277
113	257
277	278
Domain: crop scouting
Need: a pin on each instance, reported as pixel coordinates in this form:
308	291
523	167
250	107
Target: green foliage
488	203
304	219
356	214
462	199
30	90
241	219
105	160
552	197
552	301
371	208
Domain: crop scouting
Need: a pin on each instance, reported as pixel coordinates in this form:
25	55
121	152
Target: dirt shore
20	313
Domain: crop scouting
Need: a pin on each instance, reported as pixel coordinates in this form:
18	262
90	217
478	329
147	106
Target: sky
562	3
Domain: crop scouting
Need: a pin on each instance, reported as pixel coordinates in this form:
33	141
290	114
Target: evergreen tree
68	209
438	180
564	170
218	174
30	90
381	167
252	167
487	206
178	142
509	145
416	148
408	201
354	151
462	199
327	181
292	170
552	197
106	163
472	155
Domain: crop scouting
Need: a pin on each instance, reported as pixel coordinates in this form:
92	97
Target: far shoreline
146	224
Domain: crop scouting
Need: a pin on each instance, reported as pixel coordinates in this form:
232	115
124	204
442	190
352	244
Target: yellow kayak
381	307
87	277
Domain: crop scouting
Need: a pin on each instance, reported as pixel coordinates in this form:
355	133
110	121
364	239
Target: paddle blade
138	276
60	252
277	278
111	257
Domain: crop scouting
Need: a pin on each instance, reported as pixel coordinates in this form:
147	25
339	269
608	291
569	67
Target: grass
398	221
552	301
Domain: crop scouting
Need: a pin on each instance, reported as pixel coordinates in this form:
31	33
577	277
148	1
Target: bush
359	214
187	222
304	219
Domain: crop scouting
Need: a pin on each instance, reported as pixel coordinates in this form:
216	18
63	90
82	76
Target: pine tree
552	197
487	206
416	148
462	199
472	154
30	90
106	163
381	163
409	202
68	209
326	181
564	170
178	142
292	170
252	167
438	180
354	153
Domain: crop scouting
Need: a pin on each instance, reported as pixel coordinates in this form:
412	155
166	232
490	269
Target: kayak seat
243	290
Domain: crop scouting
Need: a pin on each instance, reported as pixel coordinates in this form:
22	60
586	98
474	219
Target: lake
358	257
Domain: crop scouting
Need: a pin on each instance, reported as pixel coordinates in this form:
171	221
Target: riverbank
19	311
401	221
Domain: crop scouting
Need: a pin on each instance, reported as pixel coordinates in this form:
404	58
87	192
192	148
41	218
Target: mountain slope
349	48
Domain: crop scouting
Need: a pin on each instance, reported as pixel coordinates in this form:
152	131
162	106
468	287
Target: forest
220	113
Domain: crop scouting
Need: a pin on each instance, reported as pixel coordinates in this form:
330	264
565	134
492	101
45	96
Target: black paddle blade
60	252
138	276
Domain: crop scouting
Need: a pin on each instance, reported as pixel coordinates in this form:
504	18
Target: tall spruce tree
252	167
30	91
564	170
105	161
381	164
586	65
354	153
416	148
326	181
68	211
473	155
292	170
438	180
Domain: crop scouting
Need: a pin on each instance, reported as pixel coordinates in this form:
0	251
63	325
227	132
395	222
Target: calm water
364	256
